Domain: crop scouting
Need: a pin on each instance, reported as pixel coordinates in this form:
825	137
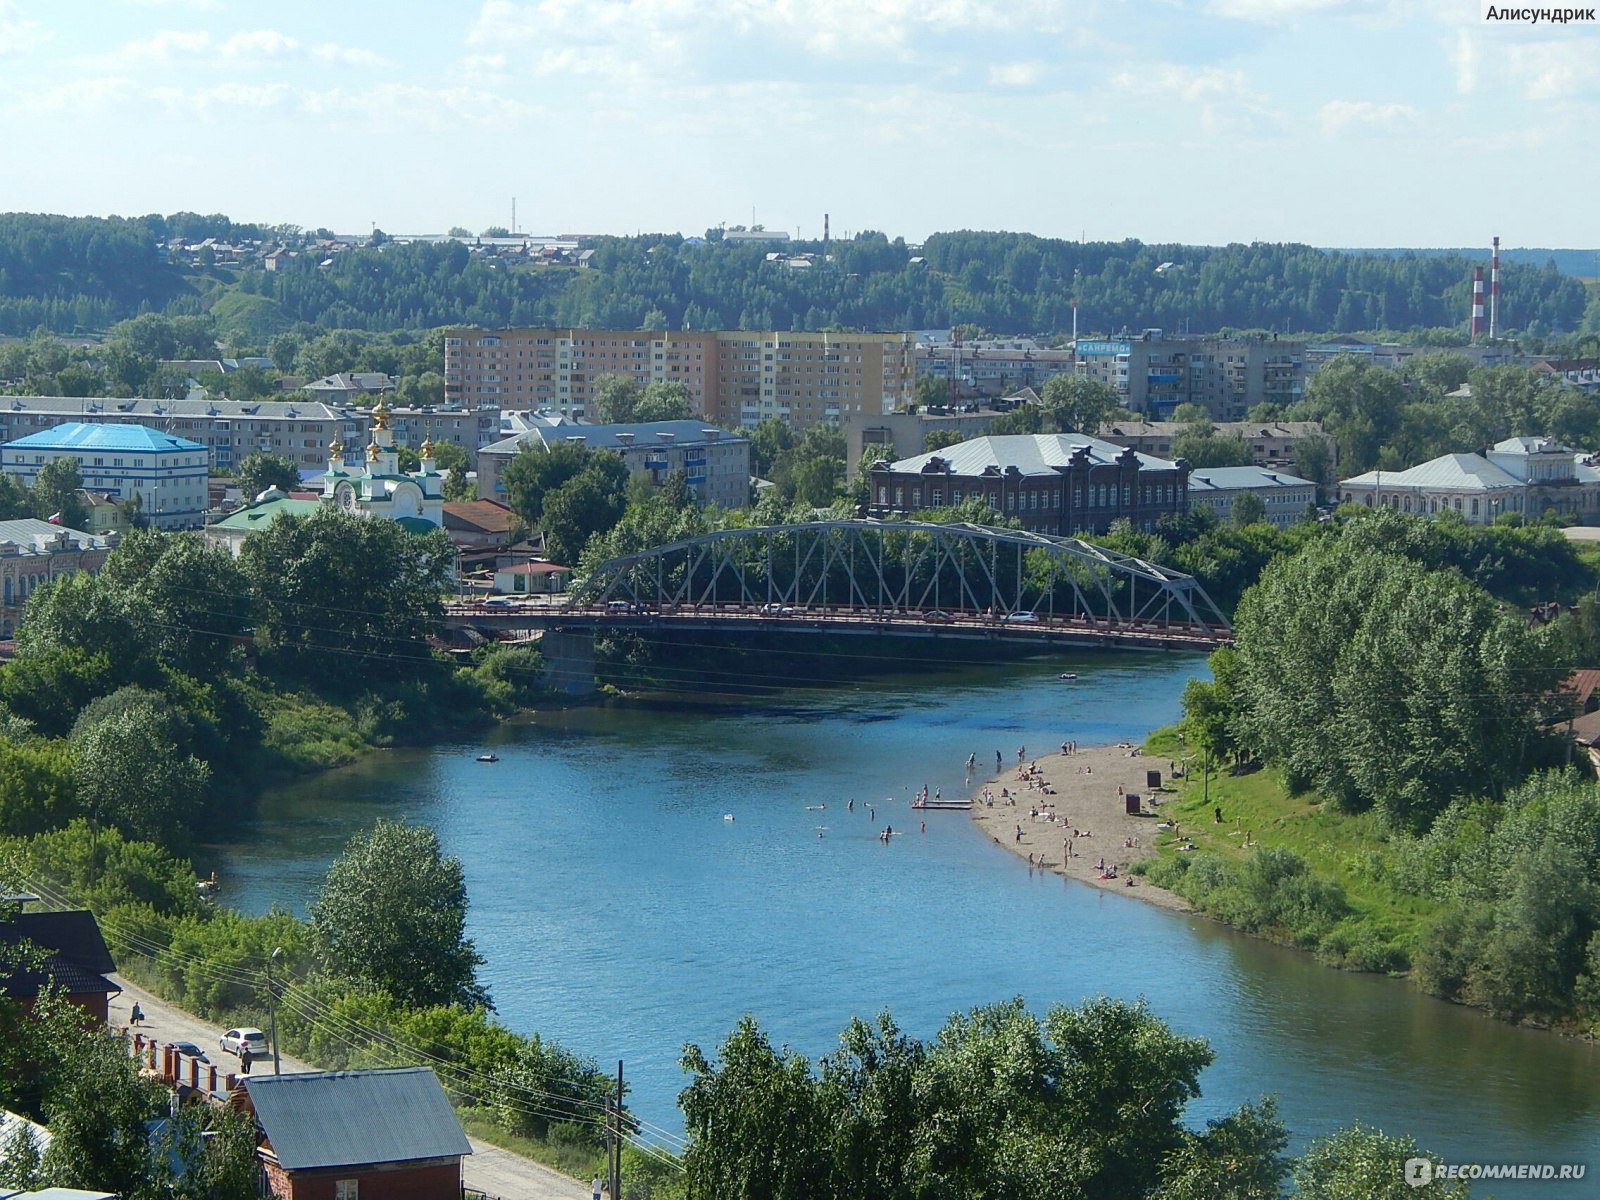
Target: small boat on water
1067	675
488	758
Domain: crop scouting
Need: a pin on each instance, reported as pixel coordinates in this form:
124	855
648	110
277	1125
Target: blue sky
1334	122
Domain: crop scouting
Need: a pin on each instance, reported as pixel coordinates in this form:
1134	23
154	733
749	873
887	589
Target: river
622	914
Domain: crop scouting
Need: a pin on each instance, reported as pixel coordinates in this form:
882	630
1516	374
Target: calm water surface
621	914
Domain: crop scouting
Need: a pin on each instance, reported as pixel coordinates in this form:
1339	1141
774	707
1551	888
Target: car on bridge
938	616
1019	618
775	609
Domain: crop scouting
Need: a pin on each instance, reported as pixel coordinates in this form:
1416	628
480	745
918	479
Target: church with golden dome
379	488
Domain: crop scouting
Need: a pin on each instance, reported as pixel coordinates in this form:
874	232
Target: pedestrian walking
594	1189
245	1058
136	1017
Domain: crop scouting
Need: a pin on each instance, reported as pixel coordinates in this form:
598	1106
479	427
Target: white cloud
1555	70
1271	12
1019	74
1338	115
80	96
18	34
244	48
192	5
1221	97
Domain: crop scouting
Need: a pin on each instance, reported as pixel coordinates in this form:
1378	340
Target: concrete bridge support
569	660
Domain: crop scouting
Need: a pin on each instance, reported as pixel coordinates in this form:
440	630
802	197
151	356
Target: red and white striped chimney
1494	290
1477	303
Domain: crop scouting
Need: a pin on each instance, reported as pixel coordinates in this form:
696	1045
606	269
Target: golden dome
427	449
380	416
336	450
372	452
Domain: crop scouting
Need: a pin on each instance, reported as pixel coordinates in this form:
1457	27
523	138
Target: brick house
75	959
357	1135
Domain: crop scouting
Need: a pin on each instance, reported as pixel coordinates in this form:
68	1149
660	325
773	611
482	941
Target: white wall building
167	473
1520	475
1285	496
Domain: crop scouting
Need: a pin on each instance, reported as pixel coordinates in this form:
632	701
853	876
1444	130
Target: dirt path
1067	813
489	1168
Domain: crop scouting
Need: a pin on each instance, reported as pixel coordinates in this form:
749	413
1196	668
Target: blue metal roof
345	1118
80	435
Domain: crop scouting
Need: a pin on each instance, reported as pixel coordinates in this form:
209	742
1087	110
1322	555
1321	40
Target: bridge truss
903	568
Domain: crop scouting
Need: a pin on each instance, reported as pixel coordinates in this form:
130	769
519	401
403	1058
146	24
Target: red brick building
75	959
358	1135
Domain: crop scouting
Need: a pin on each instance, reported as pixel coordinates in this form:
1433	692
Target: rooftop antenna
513	216
1074	310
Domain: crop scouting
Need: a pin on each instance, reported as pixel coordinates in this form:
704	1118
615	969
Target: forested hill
82	274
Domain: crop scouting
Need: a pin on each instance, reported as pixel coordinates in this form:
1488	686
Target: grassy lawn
570	1158
1353	851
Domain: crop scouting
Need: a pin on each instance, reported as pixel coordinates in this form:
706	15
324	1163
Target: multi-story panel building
168	474
229	429
557	369
1055	483
1271	443
470	428
1154	373
733	377
715	462
807	379
991	367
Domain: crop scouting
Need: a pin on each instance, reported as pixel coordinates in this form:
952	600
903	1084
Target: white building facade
168	474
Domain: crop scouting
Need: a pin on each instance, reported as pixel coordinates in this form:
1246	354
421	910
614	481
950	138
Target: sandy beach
1083	792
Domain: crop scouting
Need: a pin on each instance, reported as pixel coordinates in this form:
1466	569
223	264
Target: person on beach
999	763
972	762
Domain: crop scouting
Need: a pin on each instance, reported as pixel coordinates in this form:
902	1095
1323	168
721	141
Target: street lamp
272	1012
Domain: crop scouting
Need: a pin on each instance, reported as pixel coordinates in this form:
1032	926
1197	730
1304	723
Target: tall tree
536	471
393	911
55	494
262	469
1080	404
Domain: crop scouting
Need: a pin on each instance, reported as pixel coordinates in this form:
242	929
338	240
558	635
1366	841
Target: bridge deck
1043	628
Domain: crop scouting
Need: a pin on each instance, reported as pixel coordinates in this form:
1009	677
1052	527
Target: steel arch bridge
849	569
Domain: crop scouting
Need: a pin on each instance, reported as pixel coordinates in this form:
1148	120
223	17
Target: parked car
235	1040
498	602
1017	617
193	1051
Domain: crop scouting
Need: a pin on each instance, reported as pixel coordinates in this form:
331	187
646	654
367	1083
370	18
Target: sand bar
1084	792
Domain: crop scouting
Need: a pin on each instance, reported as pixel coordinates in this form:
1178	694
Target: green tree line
79	274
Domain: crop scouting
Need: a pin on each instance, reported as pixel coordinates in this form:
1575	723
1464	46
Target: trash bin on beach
1152	780
1131	799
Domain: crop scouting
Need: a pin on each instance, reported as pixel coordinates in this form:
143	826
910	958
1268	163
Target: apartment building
991	367
229	429
1154	373
733	377
557	369
716	463
167	473
1271	443
471	429
806	379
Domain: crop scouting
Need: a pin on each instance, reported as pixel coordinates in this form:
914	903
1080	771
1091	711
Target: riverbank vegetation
381	975
1083	1102
1391	783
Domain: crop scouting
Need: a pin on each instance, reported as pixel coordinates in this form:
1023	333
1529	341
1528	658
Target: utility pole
272	1012
616	1140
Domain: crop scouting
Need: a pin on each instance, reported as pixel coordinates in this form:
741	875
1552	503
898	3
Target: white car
1019	617
235	1040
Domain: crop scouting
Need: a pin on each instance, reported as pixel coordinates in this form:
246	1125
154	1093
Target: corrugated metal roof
344	1118
75	954
1466	472
81	435
1030	453
1226	479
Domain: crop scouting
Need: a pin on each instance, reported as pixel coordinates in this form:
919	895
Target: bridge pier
569	660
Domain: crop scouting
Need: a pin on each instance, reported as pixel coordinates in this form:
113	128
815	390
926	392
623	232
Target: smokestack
1477	303
824	231
1494	290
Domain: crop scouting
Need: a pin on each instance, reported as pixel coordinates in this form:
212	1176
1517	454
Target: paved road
490	1169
